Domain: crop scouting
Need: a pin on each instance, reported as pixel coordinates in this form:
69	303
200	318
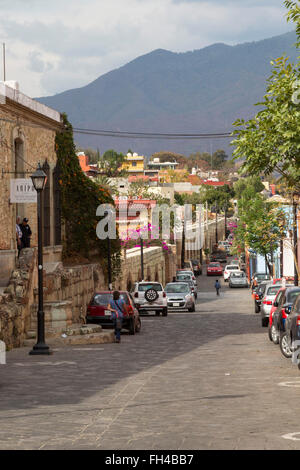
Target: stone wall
75	284
68	290
17	299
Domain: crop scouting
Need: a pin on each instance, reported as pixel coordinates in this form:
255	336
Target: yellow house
134	164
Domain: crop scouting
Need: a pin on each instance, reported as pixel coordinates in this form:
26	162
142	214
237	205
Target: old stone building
27	136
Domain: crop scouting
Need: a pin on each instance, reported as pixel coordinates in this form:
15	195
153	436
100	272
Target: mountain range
201	91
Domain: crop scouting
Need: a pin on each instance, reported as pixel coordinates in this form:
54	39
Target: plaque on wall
22	191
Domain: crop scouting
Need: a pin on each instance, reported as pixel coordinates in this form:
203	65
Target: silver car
238	279
267	301
181	273
179	296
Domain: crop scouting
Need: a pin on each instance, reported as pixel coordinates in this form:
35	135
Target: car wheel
269	334
132	327
264	322
157	313
138	326
256	307
274	335
192	309
165	312
284	347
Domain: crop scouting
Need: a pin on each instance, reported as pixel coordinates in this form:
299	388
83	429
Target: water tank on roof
156	160
135	155
129	154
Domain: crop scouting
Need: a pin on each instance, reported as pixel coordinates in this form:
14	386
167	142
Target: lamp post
108	214
39	180
183	245
295	237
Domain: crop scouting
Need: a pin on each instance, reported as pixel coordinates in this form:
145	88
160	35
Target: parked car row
279	305
144	298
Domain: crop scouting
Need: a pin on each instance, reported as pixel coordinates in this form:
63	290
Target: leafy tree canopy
110	164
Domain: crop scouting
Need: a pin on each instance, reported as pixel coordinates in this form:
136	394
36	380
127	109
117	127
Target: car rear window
262	277
273	290
292	296
183	277
229	268
239	275
214	265
103	299
144	287
261	289
177	288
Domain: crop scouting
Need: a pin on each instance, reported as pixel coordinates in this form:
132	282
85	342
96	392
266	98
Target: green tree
261	226
110	164
294	15
244	183
270	142
80	198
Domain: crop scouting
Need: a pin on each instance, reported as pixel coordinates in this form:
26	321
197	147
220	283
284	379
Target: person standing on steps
26	233
116	306
217	286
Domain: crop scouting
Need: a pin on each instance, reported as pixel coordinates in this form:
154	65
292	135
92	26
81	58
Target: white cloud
65	44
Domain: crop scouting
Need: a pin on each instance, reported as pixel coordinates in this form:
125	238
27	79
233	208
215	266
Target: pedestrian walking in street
217	286
116	306
26	233
19	235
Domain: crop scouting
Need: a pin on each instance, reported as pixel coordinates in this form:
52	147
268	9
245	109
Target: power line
152	135
129	134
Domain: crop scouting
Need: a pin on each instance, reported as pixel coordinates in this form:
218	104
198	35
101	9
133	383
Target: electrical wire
151	135
129	134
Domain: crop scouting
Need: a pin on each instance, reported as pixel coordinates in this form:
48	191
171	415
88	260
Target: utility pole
4	65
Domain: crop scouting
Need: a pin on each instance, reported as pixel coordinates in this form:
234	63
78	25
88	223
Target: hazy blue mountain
199	91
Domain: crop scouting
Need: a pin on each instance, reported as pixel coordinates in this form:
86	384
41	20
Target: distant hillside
200	91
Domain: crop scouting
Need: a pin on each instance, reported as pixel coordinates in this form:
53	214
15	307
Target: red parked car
214	269
281	308
97	311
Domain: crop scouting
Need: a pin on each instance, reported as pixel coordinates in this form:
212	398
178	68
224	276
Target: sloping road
204	380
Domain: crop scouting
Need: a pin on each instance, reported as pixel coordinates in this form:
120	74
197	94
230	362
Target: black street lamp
108	214
295	237
39	180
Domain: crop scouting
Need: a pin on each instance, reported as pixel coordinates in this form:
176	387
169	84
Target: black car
292	332
257	278
259	294
283	303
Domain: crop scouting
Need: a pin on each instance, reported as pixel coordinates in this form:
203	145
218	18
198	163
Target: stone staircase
59	327
75	335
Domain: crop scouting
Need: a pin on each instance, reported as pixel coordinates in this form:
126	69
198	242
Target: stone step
107	336
78	329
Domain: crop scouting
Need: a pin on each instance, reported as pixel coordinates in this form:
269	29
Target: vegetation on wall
80	198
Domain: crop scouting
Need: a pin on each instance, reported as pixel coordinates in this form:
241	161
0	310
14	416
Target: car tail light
164	294
298	320
267	302
257	297
193	277
136	295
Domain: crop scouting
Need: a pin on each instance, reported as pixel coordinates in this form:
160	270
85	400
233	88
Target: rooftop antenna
4	71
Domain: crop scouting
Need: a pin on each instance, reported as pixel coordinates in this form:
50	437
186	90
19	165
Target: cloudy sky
62	44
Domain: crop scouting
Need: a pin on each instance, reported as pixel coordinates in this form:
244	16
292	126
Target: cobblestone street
204	380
